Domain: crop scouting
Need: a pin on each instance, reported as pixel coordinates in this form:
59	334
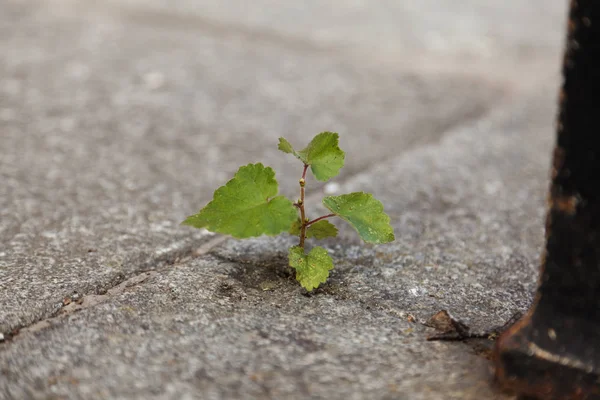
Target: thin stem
301	204
320	218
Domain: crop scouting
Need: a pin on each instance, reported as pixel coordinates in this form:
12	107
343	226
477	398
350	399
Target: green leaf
312	269
364	213
296	227
246	206
319	230
322	154
285	146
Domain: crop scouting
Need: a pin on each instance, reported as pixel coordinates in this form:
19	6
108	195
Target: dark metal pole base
553	353
552	358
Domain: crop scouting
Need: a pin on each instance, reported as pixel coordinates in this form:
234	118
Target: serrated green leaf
321	230
364	213
285	146
322	154
296	227
318	230
312	269
246	206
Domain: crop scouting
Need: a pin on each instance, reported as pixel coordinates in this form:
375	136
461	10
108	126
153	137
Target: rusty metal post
554	351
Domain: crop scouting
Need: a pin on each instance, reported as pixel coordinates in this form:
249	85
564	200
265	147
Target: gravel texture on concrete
466	28
200	331
109	142
120	118
468	213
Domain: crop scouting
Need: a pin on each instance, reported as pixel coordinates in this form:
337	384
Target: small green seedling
248	205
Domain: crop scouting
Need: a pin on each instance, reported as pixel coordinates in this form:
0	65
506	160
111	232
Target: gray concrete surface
117	120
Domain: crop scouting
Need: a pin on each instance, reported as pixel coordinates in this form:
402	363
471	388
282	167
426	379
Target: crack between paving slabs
81	303
167	19
75	303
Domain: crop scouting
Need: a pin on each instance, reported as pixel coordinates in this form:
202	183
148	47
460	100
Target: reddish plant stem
301	204
320	218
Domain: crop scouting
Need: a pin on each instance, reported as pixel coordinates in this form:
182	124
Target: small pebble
332	188
154	80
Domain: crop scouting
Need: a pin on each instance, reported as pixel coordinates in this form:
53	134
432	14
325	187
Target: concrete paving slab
468	213
115	128
466	28
118	119
197	331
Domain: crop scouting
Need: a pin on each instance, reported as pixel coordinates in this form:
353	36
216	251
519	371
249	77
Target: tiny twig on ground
454	330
